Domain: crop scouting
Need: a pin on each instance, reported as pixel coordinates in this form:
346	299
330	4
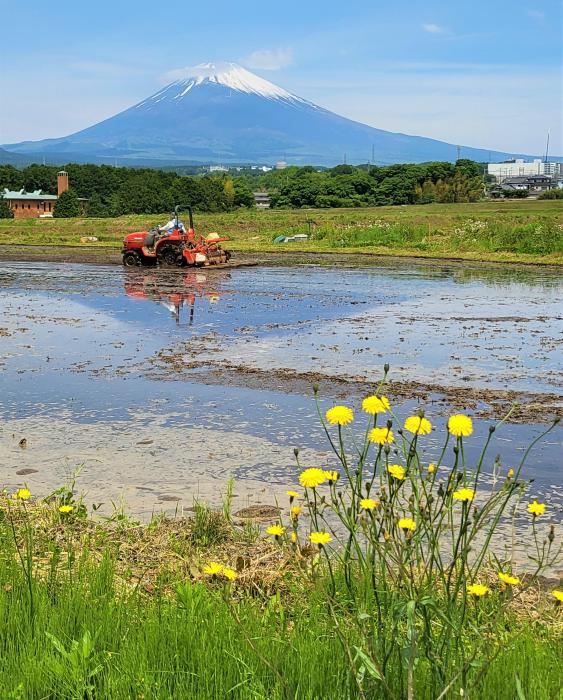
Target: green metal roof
22	194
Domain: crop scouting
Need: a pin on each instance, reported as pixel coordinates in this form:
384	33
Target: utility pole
372	154
547	146
344	158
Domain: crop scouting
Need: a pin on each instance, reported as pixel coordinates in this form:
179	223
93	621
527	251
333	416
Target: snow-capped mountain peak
229	75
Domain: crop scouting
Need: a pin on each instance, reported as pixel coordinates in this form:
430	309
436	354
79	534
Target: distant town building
519	168
262	200
281	165
36	204
533	185
218	169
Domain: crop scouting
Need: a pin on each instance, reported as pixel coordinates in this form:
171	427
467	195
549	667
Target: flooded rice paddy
159	385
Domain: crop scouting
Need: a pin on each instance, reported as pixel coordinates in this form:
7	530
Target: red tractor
173	247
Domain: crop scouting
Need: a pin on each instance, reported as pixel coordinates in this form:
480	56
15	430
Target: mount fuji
224	113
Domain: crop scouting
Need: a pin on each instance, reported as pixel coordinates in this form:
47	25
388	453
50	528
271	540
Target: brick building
33	205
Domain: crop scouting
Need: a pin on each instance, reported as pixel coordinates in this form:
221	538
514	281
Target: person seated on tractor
167	229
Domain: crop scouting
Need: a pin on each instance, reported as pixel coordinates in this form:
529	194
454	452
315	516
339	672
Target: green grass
513	231
190	646
101	624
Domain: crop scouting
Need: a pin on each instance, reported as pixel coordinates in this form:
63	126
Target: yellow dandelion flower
396	471
229	574
381	436
510	474
294	537
508	579
460	425
331	476
292	494
339	415
368	504
375	404
536	508
477	589
558	595
213	568
464	494
296	511
311	478
407	524
321	538
23	494
431	468
418	425
275	530
65	509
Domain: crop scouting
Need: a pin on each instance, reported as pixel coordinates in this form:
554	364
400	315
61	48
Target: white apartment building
519	166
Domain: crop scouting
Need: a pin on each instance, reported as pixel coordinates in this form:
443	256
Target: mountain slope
226	113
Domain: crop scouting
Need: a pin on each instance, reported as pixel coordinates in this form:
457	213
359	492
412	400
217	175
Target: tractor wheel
131	259
169	254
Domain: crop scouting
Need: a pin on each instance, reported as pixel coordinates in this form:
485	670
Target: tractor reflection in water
175	294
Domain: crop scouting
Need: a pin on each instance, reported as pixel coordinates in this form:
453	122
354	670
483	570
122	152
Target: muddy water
159	385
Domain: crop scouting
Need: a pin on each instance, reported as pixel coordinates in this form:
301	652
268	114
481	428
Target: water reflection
76	341
178	295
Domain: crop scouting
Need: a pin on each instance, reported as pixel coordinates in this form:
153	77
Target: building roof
30	196
526	179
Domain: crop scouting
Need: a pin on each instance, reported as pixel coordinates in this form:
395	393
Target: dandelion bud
492	429
441	491
315	388
389	424
456	449
459	477
556	420
386	367
368	487
551	535
339	494
296	452
387	449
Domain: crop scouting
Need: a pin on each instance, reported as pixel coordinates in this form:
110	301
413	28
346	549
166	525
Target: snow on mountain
223	112
229	75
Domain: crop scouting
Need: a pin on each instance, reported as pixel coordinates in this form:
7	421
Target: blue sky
482	73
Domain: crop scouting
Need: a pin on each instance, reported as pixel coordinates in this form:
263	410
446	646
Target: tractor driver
167	229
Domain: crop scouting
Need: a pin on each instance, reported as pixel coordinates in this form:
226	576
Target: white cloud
536	14
433	28
268	59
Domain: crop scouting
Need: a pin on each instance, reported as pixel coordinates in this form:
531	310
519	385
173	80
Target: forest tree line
115	191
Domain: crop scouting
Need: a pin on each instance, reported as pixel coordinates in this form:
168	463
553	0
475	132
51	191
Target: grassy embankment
118	610
402	599
508	231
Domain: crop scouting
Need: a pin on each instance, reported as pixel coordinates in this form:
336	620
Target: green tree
67	205
40	177
243	193
229	190
96	207
10	178
5	211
